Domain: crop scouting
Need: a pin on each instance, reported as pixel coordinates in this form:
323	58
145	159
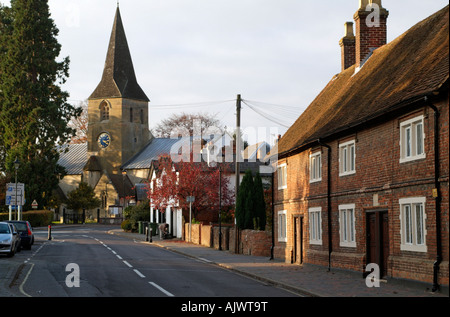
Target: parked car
9	239
26	233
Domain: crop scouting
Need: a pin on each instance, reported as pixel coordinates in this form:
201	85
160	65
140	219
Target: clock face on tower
104	140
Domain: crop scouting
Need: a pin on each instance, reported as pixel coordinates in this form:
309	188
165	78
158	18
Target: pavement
306	280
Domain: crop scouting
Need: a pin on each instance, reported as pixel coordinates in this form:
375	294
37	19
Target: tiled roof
152	151
74	159
122	184
412	66
92	165
119	79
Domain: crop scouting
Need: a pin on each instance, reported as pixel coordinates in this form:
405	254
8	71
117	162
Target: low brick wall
206	238
195	234
250	242
255	242
225	237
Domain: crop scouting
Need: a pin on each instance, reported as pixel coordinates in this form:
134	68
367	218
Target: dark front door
298	240
378	239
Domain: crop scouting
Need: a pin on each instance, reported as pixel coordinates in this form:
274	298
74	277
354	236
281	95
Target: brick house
362	175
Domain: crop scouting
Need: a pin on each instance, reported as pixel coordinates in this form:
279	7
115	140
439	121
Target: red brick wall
379	182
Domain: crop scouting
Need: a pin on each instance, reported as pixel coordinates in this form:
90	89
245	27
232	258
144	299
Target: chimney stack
348	49
371	30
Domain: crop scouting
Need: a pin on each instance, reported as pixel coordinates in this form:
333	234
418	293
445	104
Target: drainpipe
273	221
330	248
437	196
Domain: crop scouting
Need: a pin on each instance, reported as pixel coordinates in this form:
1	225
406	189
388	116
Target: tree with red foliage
176	181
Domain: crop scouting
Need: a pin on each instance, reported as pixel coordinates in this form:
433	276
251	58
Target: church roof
93	165
73	158
152	151
119	78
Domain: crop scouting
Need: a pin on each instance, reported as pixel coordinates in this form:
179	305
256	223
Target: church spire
119	79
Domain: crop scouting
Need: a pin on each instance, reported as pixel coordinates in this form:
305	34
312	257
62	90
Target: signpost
15	196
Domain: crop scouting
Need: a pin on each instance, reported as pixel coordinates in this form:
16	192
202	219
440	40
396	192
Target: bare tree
186	122
80	124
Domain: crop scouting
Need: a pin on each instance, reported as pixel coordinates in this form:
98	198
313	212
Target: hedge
37	218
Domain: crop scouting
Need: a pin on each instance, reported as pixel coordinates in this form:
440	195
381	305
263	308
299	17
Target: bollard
151	234
49	232
146	233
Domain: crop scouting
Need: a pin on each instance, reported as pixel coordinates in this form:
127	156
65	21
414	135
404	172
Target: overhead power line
282	115
189	105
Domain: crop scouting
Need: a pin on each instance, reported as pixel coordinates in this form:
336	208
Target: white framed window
282	176
315	167
413	220
282	224
315	225
347	225
347	158
412	140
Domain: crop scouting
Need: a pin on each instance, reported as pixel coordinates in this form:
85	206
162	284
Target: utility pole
238	142
238	159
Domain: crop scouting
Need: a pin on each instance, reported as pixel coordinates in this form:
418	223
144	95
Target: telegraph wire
189	105
273	112
266	115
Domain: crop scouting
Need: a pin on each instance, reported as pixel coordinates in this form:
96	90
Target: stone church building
120	148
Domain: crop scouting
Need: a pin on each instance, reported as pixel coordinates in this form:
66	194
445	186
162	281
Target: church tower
118	108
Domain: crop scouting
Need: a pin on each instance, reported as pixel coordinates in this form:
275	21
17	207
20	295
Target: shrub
126	225
138	213
37	218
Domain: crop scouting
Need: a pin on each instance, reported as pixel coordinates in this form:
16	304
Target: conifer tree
241	201
259	204
34	109
249	206
82	198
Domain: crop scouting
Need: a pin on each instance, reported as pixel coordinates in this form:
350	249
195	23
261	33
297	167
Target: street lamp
124	174
220	208
16	166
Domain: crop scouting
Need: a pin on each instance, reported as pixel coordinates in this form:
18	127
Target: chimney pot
349	30
347	44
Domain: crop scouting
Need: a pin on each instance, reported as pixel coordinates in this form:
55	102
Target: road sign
15	194
34	204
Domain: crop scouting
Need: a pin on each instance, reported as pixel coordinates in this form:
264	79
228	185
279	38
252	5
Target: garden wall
250	242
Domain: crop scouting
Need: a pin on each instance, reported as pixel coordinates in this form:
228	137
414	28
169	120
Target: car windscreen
4	228
20	226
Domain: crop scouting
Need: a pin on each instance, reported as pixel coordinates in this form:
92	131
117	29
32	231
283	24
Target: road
86	261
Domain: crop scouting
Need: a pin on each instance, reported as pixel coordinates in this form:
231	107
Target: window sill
412	158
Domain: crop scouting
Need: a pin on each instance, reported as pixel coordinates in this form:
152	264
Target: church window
131	114
104	111
142	116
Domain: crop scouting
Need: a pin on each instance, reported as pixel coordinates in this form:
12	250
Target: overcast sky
196	52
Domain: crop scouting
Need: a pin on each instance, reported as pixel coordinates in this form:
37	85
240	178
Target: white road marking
161	289
203	259
128	264
139	273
